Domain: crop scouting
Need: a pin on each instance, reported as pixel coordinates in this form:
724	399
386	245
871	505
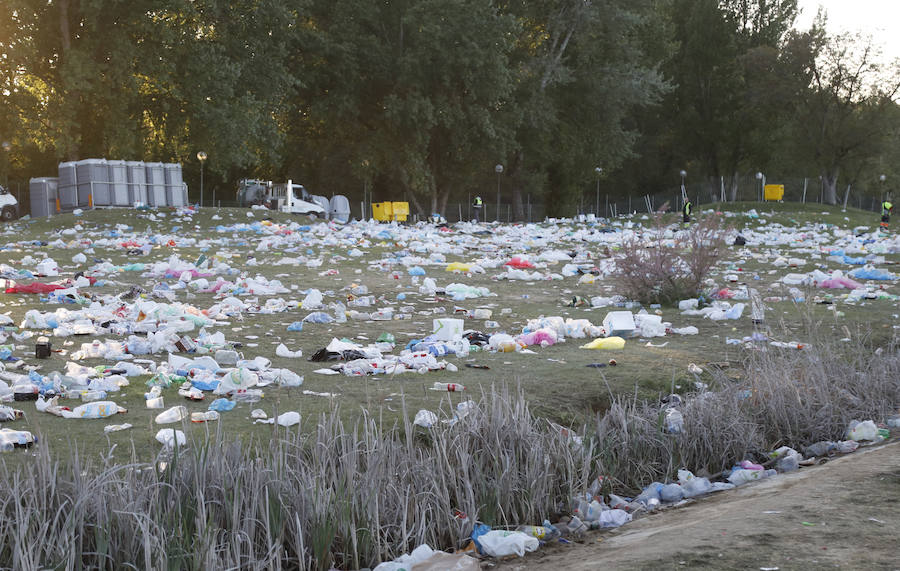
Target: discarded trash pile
162	316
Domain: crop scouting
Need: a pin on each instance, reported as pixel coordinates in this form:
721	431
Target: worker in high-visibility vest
886	208
686	213
476	206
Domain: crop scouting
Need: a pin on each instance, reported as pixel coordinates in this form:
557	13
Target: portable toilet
43	193
67	191
118	183
175	195
339	208
137	182
156	184
93	182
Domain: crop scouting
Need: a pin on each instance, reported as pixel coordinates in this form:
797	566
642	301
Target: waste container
339	208
382	211
400	211
774	192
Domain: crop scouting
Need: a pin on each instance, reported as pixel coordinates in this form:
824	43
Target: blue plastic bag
222	405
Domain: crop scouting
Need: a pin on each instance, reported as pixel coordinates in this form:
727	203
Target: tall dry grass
349	495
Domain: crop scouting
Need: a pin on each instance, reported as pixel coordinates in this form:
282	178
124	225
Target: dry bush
659	265
329	494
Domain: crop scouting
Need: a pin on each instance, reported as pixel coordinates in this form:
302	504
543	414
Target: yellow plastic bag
458	267
606	343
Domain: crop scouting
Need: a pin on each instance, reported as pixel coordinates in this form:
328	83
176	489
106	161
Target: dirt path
844	514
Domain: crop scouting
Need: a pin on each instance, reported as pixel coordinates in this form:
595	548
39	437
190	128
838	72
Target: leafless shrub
663	266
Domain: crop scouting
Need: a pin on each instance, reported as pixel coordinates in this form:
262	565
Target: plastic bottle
449	387
575	526
674	421
546	532
247	395
173	414
204	416
88	396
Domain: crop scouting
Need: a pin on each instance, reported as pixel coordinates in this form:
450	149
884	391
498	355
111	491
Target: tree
582	71
846	111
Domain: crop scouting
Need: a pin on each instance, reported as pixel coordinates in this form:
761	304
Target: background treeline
420	99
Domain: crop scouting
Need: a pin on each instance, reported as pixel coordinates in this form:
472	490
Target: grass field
556	380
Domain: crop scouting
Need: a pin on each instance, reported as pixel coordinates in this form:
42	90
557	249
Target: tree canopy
419	99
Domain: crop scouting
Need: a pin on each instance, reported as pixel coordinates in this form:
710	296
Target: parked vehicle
286	197
9	206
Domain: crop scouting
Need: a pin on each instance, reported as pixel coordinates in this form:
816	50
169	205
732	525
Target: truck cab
9	206
294	199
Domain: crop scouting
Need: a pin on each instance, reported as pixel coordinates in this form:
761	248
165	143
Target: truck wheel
7	214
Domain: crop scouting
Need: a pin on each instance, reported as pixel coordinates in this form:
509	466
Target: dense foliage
420	99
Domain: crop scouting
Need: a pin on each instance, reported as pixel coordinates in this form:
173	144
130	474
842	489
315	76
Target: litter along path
838	514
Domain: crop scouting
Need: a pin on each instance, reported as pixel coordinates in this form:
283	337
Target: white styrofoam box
619	324
448	329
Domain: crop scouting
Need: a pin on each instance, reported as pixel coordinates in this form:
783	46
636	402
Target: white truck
286	197
9	206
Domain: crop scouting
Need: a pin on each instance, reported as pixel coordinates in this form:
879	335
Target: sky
870	17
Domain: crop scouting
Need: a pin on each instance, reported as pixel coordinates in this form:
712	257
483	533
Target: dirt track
844	514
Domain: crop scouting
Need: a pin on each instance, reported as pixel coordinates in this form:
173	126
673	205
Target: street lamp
499	170
201	156
683	174
599	172
761	178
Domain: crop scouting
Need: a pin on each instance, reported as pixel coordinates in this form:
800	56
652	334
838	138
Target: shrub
658	265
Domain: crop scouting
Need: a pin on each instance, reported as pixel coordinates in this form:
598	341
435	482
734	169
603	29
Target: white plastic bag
500	543
283	351
169	437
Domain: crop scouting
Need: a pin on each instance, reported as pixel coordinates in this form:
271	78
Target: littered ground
844	514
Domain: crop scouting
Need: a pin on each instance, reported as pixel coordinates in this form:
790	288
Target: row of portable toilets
93	183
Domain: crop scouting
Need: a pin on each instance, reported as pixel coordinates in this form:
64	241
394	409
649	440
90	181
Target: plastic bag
866	430
169	437
500	543
605	343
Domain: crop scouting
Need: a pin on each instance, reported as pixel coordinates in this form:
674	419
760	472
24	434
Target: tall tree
846	111
581	71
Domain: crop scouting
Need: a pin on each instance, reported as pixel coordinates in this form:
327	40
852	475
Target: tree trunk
734	187
517	202
411	197
829	188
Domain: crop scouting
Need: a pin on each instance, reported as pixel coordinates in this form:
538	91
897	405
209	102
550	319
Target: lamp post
881	178
201	156
499	170
761	178
683	174
599	172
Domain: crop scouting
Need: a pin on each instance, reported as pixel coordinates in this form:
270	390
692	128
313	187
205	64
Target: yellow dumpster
774	192
382	211
400	211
